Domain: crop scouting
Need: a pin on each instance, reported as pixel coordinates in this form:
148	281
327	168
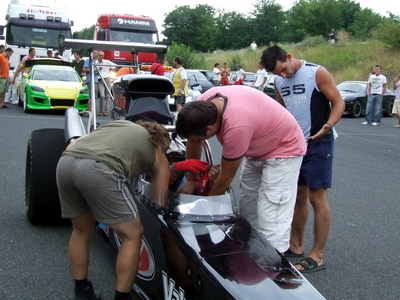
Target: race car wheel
356	109
42	203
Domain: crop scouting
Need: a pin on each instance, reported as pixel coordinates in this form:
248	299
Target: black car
354	94
269	87
195	76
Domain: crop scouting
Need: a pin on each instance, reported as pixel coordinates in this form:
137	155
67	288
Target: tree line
206	29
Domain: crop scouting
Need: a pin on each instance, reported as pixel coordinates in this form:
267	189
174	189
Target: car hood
350	95
58	89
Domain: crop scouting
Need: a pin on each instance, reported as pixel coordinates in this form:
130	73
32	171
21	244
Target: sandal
309	265
290	253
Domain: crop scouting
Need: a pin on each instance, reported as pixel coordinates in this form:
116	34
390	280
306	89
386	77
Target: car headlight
37	89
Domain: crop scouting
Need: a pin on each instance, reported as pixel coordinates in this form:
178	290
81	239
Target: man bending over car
92	177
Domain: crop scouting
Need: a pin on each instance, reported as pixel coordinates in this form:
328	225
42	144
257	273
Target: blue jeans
374	108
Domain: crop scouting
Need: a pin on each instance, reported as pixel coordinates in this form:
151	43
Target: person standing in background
217	75
376	90
104	67
332	35
180	84
261	77
225	73
396	105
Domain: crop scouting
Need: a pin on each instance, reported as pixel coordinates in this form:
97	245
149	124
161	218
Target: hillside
344	60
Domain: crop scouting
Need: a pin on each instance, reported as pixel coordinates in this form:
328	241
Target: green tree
86	33
318	17
232	31
365	21
185	52
388	32
267	22
191	27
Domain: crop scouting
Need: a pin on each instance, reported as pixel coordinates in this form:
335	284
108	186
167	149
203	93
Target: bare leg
299	220
127	264
322	220
78	248
178	107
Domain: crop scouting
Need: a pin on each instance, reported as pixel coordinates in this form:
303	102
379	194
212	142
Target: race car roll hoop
90	45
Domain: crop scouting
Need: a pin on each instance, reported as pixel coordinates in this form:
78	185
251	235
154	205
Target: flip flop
289	253
309	265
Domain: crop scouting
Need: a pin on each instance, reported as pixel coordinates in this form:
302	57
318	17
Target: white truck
35	24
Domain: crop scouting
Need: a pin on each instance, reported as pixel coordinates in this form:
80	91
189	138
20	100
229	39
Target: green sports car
52	84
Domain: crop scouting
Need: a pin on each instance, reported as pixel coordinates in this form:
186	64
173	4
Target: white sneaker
365	123
374	123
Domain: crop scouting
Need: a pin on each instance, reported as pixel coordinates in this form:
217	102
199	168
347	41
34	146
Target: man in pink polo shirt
255	129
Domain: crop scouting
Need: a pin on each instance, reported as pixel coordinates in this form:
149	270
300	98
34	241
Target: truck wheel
42	203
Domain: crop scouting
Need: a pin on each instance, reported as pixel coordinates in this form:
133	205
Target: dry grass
345	60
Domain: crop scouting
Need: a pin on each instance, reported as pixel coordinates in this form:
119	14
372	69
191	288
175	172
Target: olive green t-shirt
123	146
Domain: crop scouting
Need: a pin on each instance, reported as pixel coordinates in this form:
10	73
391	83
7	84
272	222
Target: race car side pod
73	128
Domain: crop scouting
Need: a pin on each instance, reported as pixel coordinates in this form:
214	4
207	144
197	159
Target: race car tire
42	203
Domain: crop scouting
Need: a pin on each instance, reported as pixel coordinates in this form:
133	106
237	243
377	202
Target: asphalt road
362	254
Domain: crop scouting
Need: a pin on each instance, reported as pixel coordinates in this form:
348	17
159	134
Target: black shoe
87	293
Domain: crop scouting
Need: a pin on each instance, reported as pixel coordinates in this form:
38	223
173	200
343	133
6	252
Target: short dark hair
9	50
77	52
160	57
31	50
2	46
271	56
216	65
194	118
178	59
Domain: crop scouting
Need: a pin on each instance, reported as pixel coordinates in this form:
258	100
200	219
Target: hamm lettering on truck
134	22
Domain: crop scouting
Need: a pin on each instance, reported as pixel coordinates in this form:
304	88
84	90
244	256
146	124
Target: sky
84	13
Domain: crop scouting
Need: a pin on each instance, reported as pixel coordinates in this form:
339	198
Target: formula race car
197	247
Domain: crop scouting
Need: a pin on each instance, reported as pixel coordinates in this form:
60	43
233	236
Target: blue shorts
316	169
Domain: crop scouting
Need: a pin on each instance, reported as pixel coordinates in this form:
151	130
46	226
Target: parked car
269	87
209	75
196	76
249	80
52	84
354	94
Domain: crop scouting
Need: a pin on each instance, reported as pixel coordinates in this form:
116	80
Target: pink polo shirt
255	125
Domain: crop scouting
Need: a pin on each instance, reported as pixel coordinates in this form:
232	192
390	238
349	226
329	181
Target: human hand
214	172
194	165
324	130
189	187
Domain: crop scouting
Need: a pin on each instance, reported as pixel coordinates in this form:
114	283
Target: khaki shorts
86	185
4	83
396	107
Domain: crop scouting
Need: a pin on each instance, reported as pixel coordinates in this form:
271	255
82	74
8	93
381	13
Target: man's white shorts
268	195
396	107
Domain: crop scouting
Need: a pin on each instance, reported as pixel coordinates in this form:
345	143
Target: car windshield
194	207
356	87
55	74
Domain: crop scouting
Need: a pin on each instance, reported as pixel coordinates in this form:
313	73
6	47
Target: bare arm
384	89
328	88
21	65
193	150
224	179
160	178
278	97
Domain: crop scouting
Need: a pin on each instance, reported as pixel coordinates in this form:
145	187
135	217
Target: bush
312	41
185	52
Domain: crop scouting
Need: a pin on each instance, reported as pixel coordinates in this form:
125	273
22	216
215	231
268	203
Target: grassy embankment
344	60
